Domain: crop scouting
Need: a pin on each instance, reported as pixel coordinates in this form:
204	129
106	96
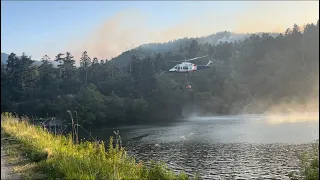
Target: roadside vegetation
56	156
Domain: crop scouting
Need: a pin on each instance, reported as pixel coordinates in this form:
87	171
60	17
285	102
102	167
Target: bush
310	163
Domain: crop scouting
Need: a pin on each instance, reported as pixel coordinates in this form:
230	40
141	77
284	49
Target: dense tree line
247	76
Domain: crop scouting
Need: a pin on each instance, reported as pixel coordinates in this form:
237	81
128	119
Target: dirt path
6	168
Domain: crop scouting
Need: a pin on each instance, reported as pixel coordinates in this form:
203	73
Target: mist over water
250	128
236	129
245	146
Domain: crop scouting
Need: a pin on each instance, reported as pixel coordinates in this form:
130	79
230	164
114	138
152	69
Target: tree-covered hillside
248	76
175	45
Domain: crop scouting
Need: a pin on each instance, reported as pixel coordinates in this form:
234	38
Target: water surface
243	147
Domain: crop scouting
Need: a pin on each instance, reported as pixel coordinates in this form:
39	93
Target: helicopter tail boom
201	67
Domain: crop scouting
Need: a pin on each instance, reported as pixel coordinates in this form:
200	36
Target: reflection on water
221	147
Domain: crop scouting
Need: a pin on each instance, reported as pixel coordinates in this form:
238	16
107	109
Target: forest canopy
252	75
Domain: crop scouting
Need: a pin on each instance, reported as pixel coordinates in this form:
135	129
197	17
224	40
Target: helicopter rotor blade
196	58
186	60
173	61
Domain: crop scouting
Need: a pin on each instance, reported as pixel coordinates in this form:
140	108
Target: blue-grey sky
107	28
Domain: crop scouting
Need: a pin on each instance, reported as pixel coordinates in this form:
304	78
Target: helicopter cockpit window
175	67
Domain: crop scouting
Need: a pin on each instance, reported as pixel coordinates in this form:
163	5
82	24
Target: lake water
221	147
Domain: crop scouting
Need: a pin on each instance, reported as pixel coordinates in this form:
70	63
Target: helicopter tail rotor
209	63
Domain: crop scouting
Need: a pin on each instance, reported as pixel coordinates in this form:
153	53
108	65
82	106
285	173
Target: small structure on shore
52	124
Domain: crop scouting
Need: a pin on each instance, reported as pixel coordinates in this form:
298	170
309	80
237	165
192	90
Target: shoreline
56	156
48	151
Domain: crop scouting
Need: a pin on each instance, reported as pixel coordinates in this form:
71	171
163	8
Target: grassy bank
56	156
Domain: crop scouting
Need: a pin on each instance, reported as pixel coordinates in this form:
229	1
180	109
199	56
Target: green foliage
261	69
58	158
310	163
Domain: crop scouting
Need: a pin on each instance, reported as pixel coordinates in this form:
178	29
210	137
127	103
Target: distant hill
173	46
4	59
151	48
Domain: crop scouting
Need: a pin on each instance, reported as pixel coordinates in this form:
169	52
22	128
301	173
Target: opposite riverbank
56	156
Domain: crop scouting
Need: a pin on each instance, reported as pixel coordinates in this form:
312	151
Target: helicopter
186	67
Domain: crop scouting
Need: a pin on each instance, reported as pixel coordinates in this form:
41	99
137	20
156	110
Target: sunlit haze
106	29
221	90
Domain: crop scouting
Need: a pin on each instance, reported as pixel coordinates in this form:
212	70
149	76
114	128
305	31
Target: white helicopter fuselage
184	67
189	67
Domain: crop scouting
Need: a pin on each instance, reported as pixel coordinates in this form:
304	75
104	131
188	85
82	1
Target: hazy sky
107	28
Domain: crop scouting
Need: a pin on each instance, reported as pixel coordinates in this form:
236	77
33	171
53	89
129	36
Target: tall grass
58	157
310	163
